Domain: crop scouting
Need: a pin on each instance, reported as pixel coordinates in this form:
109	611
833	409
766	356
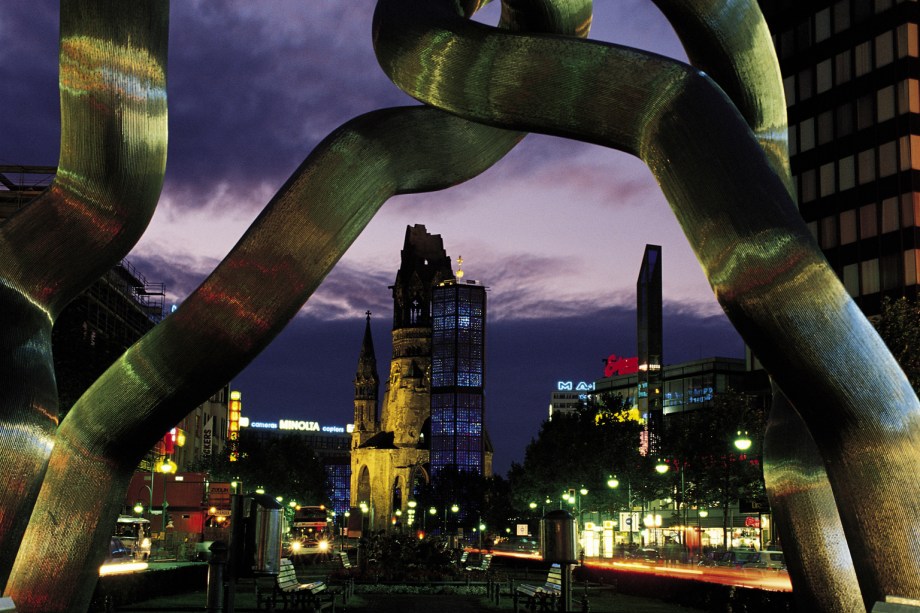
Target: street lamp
614	483
742	441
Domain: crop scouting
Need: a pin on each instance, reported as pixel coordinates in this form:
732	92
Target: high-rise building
851	73
458	375
649	335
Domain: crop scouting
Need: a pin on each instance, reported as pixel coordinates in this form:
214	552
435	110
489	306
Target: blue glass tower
458	315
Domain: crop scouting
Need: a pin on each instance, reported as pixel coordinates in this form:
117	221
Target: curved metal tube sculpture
230	318
112	161
766	270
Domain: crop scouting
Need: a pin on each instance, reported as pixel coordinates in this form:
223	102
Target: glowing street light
662	467
742	441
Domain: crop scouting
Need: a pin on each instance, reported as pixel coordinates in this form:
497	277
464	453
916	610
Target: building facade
851	73
391	449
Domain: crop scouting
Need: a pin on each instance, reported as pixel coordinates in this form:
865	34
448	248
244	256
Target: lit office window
841	16
868	222
865	164
869	274
910	209
887	159
828	232
847	172
808	187
843	67
807	134
828	179
885	103
908	96
824	78
863	56
823	25
910	266
851	279
847	227
908	45
884	49
890	215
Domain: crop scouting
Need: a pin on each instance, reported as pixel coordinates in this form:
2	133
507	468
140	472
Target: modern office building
458	319
650	344
851	73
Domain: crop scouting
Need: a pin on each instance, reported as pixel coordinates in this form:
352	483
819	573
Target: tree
582	450
899	326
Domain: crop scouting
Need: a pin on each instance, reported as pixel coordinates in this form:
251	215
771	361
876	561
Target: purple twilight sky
556	230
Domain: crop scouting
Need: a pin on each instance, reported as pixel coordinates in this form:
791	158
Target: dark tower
367	385
649	333
424	264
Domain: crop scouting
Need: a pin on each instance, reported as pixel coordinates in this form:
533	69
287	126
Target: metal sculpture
734	206
724	172
229	319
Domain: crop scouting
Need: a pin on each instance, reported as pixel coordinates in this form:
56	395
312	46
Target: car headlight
295	546
324	545
145	544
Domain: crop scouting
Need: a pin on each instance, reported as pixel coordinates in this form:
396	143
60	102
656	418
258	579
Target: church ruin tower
407	400
367	386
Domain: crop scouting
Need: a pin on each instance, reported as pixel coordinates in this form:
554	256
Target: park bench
346	586
484	564
545	596
463	556
306	596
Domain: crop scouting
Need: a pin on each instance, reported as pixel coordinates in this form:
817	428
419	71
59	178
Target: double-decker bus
310	531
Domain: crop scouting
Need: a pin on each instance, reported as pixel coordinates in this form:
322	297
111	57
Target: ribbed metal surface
765	269
232	316
113	156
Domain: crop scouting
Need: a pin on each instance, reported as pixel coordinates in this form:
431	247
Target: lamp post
432	511
614	483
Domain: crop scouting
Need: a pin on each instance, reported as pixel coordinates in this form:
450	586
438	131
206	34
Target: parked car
118	552
649	554
774	560
735	557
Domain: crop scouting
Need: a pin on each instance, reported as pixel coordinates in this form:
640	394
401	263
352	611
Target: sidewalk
598	602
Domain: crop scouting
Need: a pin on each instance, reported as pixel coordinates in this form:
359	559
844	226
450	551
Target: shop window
847	227
890	215
847	172
868	222
887	159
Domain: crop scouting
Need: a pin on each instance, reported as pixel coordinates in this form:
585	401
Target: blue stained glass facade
457	376
339	478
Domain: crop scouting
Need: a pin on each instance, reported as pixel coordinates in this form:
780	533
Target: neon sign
616	365
567	386
296	424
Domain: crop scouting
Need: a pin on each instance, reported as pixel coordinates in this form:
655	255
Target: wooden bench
343	558
463	556
484	564
346	586
545	596
307	596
